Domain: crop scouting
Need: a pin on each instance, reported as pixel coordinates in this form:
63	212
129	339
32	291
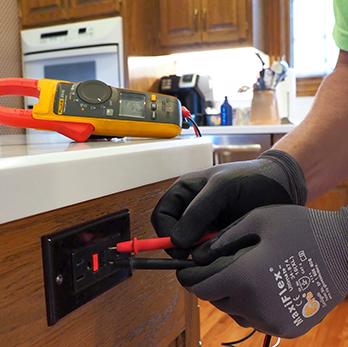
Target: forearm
320	142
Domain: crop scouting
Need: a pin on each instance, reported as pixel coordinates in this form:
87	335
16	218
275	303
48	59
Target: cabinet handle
195	19
204	18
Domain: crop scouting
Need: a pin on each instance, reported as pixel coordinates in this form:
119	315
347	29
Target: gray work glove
212	199
279	269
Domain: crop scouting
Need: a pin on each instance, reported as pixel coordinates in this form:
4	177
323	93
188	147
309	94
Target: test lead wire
152	263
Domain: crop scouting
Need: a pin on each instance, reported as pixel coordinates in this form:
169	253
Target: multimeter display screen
132	105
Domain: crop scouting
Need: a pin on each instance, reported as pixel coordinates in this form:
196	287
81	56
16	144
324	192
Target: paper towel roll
286	95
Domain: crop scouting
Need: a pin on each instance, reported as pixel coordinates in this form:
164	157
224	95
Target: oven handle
73	52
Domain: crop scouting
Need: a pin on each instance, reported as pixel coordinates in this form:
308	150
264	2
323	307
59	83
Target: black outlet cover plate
59	253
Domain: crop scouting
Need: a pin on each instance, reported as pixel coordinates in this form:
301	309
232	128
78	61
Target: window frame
277	43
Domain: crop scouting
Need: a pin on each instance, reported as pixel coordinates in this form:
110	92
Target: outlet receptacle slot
76	266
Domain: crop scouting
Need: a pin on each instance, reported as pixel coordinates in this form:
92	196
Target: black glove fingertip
204	254
178	253
183	278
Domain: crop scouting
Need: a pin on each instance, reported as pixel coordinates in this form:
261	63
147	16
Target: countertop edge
42	183
242	129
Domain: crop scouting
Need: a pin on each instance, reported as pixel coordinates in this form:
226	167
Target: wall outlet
91	264
76	266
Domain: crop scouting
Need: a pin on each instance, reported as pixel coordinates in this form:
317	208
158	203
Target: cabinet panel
90	8
224	20
38	12
179	22
149	309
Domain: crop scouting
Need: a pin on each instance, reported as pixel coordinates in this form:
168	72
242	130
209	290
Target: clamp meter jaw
79	110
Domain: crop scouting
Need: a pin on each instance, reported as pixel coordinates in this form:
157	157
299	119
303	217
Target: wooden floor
217	327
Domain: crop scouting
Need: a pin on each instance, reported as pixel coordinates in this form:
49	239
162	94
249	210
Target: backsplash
229	69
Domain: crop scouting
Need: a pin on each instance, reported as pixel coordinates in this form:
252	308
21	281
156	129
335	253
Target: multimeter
79	110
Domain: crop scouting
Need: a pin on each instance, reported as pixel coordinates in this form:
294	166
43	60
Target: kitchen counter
49	185
43	172
243	129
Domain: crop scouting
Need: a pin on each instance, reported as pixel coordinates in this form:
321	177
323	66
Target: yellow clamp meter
79	110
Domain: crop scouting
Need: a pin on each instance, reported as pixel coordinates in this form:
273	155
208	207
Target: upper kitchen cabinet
90	8
224	21
180	22
185	23
46	12
38	12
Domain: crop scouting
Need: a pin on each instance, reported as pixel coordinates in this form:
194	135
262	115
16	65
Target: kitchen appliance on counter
194	91
90	50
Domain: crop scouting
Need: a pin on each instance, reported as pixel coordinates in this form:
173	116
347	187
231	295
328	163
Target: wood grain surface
146	310
217	327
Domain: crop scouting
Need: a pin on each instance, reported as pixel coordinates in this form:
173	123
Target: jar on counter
264	108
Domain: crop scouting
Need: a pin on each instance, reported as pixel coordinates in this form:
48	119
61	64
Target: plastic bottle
226	113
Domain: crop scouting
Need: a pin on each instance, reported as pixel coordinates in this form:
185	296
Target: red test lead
135	246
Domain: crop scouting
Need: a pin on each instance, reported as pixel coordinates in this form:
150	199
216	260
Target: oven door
79	64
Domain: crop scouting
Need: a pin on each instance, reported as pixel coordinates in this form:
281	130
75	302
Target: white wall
229	69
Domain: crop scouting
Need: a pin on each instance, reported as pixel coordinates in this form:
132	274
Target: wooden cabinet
200	22
157	27
180	22
36	12
88	8
148	309
46	12
224	21
140	27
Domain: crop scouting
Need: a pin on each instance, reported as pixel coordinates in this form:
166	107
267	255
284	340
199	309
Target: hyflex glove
279	269
211	199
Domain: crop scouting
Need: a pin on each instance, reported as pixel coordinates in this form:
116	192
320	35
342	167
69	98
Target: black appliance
193	90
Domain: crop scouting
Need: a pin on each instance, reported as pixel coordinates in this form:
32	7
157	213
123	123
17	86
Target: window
314	49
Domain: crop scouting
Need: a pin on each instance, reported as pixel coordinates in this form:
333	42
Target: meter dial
94	92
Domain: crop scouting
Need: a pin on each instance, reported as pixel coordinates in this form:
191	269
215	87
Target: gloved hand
212	199
279	269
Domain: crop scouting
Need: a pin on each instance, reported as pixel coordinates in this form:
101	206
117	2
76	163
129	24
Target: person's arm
320	143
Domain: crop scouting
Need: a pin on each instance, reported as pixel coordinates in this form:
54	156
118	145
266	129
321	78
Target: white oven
75	52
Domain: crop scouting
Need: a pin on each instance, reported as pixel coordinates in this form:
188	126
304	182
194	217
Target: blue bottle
226	113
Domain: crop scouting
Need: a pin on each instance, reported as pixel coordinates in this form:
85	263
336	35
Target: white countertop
40	173
243	129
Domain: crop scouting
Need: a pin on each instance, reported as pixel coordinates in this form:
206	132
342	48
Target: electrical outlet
76	263
91	264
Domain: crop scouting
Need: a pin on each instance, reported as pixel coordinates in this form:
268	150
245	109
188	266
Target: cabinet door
92	8
179	22
39	12
224	20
